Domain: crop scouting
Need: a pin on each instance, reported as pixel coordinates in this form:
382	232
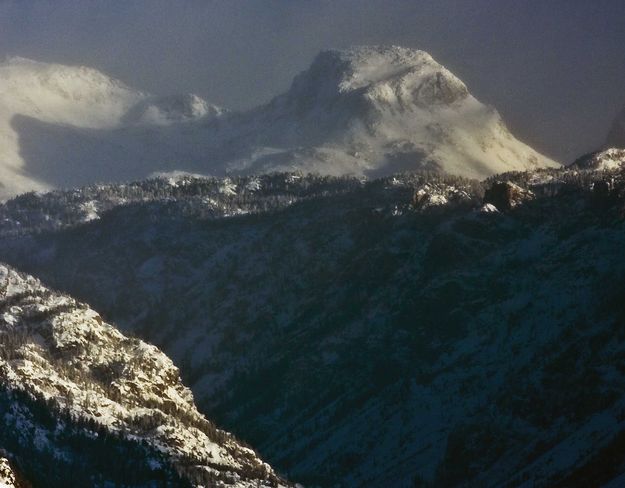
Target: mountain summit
366	111
393	76
378	110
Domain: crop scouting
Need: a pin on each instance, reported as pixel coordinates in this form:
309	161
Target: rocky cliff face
85	405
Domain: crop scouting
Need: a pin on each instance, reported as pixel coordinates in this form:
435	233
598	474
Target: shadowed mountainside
357	337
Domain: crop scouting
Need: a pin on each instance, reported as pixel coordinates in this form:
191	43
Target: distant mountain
607	160
414	330
375	111
83	405
368	111
616	137
77	116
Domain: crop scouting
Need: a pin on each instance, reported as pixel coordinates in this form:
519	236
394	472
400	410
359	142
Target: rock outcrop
505	195
80	401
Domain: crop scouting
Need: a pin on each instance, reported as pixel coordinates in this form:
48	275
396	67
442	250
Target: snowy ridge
367	111
375	111
61	94
171	109
62	353
54	94
607	160
74	99
192	194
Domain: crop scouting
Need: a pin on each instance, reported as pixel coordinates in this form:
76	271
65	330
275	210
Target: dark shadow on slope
411	160
66	156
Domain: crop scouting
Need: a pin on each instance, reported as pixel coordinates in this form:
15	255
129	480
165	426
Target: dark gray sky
555	69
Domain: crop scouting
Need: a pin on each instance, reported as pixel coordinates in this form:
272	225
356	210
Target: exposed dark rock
505	195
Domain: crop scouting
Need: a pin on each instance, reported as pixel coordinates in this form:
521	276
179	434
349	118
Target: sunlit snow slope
59	361
67	111
366	111
375	111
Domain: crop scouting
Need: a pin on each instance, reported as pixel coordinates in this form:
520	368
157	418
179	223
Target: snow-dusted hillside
388	333
608	160
83	405
367	111
182	194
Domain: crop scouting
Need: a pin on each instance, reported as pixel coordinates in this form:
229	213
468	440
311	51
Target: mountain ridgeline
379	285
83	405
419	329
368	111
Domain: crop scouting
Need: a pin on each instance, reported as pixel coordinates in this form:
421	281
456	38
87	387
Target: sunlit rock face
80	401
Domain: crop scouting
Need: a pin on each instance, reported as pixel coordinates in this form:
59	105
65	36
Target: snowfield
368	111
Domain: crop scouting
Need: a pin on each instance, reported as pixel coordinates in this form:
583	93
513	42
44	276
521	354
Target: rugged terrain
366	111
8	477
418	329
83	405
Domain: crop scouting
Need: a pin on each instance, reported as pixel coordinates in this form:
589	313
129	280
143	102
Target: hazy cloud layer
554	69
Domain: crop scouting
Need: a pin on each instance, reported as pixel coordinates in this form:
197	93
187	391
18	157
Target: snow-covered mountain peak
167	110
72	109
412	74
387	73
87	98
74	95
374	111
366	111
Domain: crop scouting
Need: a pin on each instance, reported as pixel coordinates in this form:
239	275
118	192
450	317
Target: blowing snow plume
368	111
